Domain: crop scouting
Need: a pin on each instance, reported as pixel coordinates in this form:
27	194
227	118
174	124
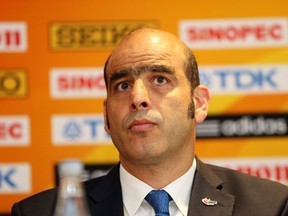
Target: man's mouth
141	125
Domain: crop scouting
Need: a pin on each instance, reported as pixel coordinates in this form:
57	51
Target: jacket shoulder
233	176
253	191
43	203
40	204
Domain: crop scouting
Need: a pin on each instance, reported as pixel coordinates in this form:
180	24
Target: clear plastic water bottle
71	199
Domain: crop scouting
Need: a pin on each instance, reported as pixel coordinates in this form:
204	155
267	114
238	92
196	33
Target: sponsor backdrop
51	85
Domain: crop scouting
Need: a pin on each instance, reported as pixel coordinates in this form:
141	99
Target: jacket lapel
207	185
106	197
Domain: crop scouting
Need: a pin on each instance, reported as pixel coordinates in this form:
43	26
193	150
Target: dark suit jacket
237	194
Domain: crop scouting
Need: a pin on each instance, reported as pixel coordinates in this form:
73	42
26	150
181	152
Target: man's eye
160	80
123	86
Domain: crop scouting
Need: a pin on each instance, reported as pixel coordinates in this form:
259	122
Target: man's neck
160	174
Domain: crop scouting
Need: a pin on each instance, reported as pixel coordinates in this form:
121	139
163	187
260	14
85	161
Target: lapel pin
208	202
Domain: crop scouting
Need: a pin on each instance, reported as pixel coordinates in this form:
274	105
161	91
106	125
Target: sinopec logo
77	83
90	35
13	37
13	83
234	33
14	131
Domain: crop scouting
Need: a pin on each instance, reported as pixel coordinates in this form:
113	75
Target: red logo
275	169
10	38
13	130
80	82
276	172
77	83
232	33
13	36
228	33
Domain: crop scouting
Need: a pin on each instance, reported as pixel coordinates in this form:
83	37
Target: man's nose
139	96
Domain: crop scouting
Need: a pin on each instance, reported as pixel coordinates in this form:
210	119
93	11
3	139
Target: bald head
145	42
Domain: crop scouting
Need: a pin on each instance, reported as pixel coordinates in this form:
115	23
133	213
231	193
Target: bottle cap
70	167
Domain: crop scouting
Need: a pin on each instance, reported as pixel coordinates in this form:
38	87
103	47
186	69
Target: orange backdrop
49	48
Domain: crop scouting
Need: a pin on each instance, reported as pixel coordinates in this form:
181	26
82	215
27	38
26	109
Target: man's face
148	99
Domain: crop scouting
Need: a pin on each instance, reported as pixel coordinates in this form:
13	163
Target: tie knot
159	200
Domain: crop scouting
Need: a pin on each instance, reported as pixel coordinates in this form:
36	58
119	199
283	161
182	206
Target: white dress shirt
134	192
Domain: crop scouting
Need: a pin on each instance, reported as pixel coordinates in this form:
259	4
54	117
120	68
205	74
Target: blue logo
241	79
93	126
85	129
72	130
245	79
7	178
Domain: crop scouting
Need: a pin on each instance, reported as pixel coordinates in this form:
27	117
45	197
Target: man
154	101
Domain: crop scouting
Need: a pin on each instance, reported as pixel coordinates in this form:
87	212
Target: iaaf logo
77	83
79	130
275	169
244	126
14	131
232	33
15	178
13	37
245	79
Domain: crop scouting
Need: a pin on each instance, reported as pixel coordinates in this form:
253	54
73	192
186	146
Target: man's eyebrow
120	74
140	70
159	68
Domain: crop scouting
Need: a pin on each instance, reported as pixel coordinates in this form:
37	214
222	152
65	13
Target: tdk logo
15	178
245	79
79	130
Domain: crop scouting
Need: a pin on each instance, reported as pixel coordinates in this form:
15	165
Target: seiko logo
90	35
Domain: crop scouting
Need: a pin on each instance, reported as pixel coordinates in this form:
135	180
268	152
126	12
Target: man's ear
201	97
106	120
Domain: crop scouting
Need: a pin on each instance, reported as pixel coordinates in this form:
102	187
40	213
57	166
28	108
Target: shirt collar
180	189
134	190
